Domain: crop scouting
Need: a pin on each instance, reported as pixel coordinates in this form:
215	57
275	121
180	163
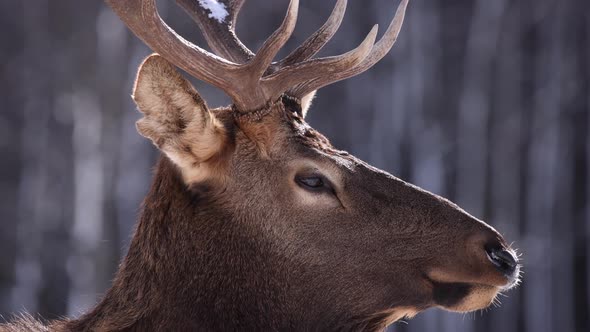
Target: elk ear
177	120
306	102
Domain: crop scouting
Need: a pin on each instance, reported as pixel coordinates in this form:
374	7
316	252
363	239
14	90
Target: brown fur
259	252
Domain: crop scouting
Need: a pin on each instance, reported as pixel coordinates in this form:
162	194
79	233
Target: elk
254	221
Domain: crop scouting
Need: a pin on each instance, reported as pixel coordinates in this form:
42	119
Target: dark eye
312	182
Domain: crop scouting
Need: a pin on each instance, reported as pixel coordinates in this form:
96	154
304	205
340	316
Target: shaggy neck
181	274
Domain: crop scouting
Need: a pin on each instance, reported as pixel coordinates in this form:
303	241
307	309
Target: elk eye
313	182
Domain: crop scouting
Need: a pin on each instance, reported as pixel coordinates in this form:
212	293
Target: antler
252	80
221	35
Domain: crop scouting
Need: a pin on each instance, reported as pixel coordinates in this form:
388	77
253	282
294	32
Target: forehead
311	143
289	135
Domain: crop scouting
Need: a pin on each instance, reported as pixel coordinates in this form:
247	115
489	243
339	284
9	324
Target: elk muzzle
477	271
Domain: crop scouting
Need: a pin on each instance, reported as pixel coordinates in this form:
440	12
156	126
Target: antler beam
252	80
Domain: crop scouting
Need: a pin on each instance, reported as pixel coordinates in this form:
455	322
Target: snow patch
217	9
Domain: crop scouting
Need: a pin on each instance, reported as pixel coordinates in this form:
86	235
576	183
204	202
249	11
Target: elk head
270	226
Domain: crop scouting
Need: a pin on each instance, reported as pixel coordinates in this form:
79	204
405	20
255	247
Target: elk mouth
459	294
463	297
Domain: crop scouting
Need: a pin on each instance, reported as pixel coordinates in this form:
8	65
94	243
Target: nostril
503	260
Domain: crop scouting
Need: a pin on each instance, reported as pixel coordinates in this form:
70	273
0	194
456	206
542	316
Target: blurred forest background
484	102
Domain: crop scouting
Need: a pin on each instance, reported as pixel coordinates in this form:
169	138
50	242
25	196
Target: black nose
503	259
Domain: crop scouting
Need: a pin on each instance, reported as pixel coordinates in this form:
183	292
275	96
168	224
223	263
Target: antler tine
234	9
263	58
221	36
142	17
377	53
305	71
219	33
316	41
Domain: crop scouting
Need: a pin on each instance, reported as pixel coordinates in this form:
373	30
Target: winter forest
484	102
